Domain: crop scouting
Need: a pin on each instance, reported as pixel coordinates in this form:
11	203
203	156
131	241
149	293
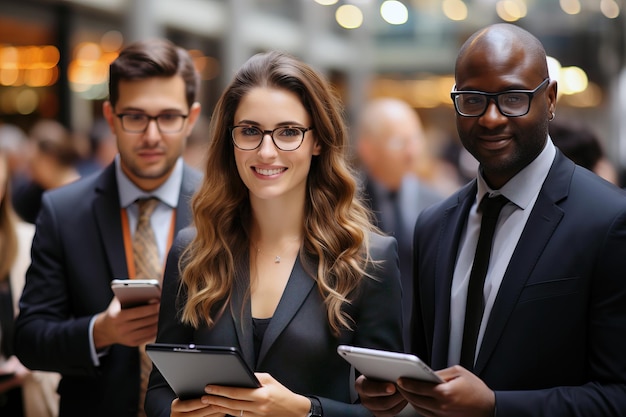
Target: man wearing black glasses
520	296
89	233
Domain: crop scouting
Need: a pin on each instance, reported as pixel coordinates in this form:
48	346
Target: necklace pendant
277	259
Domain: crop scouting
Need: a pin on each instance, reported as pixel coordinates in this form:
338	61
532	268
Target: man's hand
462	395
381	398
131	326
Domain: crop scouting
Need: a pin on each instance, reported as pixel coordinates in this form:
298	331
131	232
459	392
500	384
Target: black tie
475	304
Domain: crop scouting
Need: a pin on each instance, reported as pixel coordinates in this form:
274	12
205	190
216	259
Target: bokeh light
454	9
570	6
349	16
394	12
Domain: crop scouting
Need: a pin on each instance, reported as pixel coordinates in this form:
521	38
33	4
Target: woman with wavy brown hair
283	261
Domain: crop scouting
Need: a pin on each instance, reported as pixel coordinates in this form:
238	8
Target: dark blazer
77	250
298	349
555	342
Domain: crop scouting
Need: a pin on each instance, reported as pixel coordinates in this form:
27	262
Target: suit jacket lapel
241	314
106	206
298	287
542	223
449	239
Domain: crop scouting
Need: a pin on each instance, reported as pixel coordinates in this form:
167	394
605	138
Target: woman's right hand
192	408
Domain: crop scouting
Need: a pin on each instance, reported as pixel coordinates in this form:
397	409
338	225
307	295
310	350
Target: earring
552	116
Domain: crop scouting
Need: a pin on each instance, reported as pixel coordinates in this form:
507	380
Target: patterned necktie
491	208
147	266
145	250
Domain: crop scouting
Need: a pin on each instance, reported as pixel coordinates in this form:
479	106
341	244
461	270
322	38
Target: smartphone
189	368
136	292
387	366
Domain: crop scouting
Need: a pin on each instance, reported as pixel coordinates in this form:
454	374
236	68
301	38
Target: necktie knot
491	206
146	207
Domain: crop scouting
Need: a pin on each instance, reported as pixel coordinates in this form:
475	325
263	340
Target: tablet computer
387	366
189	368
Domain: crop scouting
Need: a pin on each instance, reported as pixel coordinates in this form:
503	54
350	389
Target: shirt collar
525	185
168	192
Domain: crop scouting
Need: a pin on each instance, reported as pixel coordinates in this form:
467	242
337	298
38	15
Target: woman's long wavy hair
336	221
8	236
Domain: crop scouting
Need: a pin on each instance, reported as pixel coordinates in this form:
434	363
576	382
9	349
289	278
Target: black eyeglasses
166	122
511	103
285	138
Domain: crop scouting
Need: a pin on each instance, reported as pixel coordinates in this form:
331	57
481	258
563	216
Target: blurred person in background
197	144
101	148
52	160
579	143
69	320
434	167
22	393
389	139
14	143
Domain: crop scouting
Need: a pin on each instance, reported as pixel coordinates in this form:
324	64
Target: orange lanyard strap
128	242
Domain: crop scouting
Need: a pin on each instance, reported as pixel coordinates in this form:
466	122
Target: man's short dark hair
153	58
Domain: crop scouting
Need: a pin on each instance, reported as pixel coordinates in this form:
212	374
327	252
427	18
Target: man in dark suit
390	143
69	321
550	333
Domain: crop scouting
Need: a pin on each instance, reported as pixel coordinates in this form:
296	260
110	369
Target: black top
259	327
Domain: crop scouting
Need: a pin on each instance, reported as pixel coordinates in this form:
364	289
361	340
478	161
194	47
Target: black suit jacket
555	342
298	349
77	250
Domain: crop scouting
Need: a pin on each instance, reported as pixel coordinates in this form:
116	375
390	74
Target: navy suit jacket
298	348
77	250
555	342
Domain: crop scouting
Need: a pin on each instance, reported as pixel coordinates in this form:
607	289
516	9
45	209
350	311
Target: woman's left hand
271	399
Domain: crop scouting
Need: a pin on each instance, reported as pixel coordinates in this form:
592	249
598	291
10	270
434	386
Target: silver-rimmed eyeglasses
511	103
166	122
285	138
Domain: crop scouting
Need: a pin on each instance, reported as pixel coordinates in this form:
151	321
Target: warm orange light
33	65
